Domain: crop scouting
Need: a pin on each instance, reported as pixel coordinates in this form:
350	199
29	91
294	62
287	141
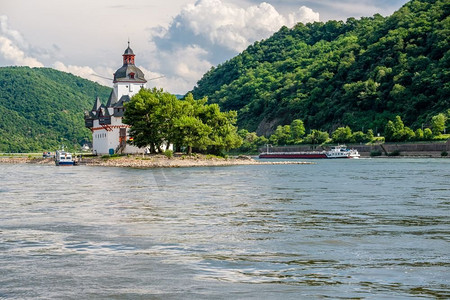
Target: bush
168	153
394	153
444	153
375	153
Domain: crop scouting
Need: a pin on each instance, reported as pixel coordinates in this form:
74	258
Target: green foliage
250	141
438	123
41	109
427	134
444	153
297	131
317	137
360	73
374	153
396	131
342	135
168	153
394	153
419	134
359	137
281	135
158	118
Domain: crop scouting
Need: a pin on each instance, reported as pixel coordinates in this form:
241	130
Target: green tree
397	131
194	133
359	137
438	123
427	134
157	118
223	135
342	135
389	130
316	137
419	134
297	131
142	113
281	136
370	136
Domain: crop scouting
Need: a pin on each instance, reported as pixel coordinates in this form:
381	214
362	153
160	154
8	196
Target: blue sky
178	39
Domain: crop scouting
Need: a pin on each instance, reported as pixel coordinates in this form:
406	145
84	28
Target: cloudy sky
177	39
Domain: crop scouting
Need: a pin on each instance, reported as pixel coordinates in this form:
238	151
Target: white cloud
11	45
202	34
219	23
86	72
209	32
16	56
305	15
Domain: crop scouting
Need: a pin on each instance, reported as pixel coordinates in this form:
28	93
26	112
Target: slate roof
122	100
97	104
128	51
125	72
112	99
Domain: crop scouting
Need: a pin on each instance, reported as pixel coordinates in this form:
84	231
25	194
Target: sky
175	41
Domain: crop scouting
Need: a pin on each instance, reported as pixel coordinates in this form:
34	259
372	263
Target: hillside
42	108
359	73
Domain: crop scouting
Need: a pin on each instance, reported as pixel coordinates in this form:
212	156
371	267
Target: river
338	229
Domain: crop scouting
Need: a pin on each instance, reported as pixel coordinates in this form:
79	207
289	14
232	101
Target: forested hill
358	73
41	108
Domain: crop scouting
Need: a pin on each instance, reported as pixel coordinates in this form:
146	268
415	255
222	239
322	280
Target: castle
109	134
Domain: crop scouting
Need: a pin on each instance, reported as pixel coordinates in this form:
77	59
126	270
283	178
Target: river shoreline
156	161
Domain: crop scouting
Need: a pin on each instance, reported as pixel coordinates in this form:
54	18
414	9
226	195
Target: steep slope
358	73
41	108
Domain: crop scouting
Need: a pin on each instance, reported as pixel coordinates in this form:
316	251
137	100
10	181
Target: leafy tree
397	131
251	141
157	118
438	123
389	130
342	135
194	132
297	131
281	135
144	115
317	137
370	136
419	134
427	134
359	137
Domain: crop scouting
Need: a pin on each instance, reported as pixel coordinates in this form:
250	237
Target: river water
338	229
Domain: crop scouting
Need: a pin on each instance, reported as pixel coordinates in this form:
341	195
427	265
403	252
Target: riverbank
155	161
439	149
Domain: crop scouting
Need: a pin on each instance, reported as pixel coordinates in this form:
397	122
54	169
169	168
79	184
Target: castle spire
128	55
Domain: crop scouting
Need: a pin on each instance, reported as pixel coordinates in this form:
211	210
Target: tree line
295	134
159	119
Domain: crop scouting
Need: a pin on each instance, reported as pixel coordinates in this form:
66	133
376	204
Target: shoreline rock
156	161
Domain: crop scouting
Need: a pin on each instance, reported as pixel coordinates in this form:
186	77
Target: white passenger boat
63	158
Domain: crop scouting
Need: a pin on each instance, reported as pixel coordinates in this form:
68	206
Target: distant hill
41	108
358	73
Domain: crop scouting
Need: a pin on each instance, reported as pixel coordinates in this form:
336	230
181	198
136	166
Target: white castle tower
109	134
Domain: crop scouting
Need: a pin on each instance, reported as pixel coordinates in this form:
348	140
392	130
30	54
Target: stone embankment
154	161
383	150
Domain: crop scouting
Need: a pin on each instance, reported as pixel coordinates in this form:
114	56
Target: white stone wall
102	139
127	88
